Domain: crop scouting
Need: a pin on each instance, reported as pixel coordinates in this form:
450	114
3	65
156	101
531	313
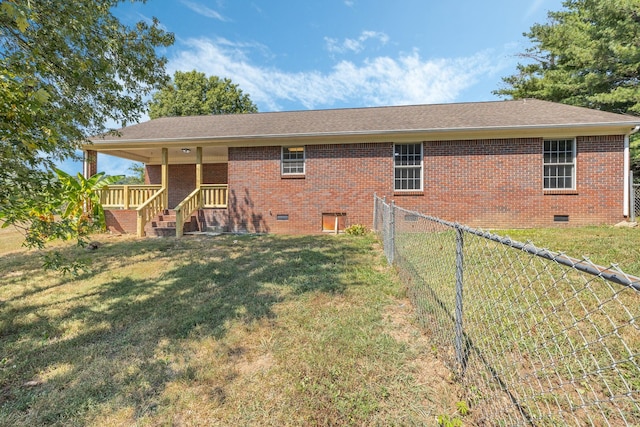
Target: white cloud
349	3
354	45
383	80
203	10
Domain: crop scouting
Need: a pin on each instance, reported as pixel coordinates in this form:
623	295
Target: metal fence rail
535	337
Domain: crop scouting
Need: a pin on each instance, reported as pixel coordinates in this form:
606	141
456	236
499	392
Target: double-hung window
559	162
407	163
293	160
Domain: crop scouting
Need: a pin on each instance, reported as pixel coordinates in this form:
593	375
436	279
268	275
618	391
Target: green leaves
67	67
81	199
586	54
14	14
193	94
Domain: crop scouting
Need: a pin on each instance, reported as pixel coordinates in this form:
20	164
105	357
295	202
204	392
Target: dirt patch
262	363
425	366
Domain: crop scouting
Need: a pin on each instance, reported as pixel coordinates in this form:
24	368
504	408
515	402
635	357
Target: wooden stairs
164	225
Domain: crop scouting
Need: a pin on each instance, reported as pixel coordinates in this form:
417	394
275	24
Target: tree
587	55
81	200
137	176
634	147
67	67
192	93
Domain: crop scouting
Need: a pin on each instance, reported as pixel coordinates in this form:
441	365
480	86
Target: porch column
625	177
165	177
89	163
198	167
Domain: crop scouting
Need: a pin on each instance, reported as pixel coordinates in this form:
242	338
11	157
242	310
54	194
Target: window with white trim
293	160
407	165
559	162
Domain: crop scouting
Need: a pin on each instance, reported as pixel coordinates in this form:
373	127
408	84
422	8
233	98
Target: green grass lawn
602	245
227	330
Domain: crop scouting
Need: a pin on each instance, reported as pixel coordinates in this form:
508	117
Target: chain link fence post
375	212
459	339
392	231
632	197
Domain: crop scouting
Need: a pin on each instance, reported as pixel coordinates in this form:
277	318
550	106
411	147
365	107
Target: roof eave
376	136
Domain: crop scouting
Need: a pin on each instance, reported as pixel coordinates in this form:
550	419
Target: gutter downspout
627	166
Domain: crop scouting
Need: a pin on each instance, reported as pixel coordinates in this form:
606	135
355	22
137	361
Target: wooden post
179	223
198	167
139	224
165	177
125	196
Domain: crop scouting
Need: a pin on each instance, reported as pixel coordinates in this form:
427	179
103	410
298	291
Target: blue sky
313	54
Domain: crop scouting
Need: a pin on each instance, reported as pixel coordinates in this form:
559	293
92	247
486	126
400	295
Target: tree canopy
192	93
587	54
67	68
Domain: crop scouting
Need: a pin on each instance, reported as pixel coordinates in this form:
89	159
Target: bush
356	230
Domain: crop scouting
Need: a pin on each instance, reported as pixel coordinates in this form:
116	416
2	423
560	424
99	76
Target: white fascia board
623	128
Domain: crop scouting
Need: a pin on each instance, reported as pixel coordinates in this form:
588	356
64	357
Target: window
407	161
559	158
293	160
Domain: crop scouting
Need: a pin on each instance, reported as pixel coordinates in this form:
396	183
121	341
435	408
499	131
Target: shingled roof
495	115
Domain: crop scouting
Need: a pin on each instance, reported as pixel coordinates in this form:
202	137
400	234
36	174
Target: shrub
356	230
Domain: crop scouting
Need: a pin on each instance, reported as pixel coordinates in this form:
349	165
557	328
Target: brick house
519	163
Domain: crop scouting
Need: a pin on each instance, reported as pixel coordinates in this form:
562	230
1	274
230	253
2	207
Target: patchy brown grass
232	330
10	239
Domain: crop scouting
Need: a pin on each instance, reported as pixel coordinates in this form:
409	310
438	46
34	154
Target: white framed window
559	164
407	165
292	160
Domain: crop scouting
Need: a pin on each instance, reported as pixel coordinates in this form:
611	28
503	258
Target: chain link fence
535	337
635	202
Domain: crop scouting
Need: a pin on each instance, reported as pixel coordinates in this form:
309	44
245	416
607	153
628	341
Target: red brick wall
498	183
488	183
211	217
121	221
338	179
182	178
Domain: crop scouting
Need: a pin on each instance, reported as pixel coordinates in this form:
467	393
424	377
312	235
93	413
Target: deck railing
207	196
214	195
149	209
126	196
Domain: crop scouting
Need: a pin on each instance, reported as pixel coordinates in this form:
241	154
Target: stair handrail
149	209
185	208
